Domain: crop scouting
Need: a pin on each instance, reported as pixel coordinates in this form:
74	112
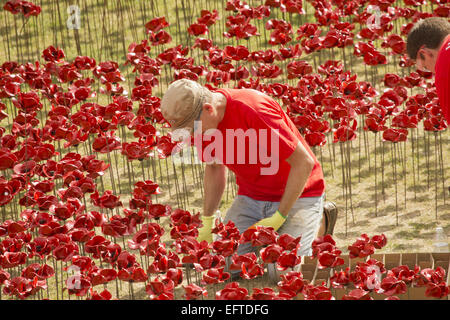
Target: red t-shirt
251	109
442	78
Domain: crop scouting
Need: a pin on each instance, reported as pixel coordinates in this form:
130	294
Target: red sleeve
442	79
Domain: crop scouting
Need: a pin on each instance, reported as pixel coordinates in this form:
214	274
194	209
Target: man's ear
208	107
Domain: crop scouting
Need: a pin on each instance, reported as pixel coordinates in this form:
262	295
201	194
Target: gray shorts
304	220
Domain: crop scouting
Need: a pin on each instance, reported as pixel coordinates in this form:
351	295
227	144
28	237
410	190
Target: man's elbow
303	162
308	163
215	166
301	159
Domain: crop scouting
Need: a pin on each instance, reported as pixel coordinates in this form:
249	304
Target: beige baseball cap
182	103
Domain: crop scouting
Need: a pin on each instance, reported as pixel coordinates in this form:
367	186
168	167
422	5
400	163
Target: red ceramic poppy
374	125
232	291
218	77
225	247
65	210
396	43
184	230
194	292
53	54
215	275
40	246
94	167
395	135
251	271
156	24
208	261
442	11
78	285
330	259
288	259
25	7
321	292
297	69
392	286
379	241
159	210
163	262
323	243
280	37
102	276
294	6
7	159
81	234
264	70
65	251
403	273
22	287
104	295
159	38
264	294
179	216
4	276
106	143
116	227
259	236
438	291
358	278
345	132
13	6
361	248
357	294
197	29
271	253
291	283
340	278
12	259
27	101
96	246
236	53
241	29
6	194
135	151
203	44
165	146
429	275
289	52
208	17
315	139
84	63
160	289
436	123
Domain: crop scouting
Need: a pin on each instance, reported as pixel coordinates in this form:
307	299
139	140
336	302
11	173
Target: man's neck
221	105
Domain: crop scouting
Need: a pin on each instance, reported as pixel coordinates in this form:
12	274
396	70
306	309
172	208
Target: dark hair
429	32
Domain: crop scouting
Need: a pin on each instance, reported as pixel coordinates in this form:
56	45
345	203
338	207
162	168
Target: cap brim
188	128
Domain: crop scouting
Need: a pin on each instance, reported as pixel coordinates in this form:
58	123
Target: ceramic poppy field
94	207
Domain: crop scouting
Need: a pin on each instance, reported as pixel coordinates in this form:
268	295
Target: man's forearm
214	182
298	176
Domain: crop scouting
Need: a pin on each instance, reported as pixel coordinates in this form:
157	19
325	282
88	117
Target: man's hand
204	233
275	221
